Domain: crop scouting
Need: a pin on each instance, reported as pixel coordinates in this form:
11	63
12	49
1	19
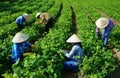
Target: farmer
21	19
74	57
46	19
104	27
19	46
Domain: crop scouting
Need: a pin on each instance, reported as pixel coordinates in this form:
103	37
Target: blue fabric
105	32
70	65
105	37
74	57
18	50
20	21
75	53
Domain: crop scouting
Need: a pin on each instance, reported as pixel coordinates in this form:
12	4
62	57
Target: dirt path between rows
88	15
74	22
116	55
106	15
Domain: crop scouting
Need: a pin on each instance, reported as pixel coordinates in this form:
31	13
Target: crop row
5	52
48	61
96	62
12	27
6	19
105	6
14	7
8	39
114	38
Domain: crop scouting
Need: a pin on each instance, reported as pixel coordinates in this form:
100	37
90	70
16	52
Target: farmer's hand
39	23
34	47
65	51
26	54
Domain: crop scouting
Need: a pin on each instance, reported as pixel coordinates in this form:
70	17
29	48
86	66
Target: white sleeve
71	53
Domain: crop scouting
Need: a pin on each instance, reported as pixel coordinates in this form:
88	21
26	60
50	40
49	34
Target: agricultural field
70	16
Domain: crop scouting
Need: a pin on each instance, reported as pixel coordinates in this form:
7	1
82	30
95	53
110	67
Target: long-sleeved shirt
45	17
105	31
18	50
76	53
20	20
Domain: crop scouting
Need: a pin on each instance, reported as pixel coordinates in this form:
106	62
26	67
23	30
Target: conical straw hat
20	37
37	14
74	39
26	16
102	22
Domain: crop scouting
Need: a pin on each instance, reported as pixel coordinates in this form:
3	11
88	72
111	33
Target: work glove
26	54
34	47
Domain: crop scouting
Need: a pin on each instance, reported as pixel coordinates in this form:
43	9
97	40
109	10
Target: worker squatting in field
18	48
73	57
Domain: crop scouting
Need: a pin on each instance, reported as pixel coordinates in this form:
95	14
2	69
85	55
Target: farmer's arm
70	54
43	19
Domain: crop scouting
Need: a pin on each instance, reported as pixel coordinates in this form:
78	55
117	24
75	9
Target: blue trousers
20	27
70	64
105	37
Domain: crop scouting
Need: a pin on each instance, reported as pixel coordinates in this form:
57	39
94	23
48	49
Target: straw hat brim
26	16
37	15
74	39
20	37
102	23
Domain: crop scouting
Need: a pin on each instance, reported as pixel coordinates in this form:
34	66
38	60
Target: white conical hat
74	39
20	37
102	22
37	14
26	16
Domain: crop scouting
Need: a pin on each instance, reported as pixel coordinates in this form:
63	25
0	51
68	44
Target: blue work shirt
105	32
20	20
75	54
18	50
